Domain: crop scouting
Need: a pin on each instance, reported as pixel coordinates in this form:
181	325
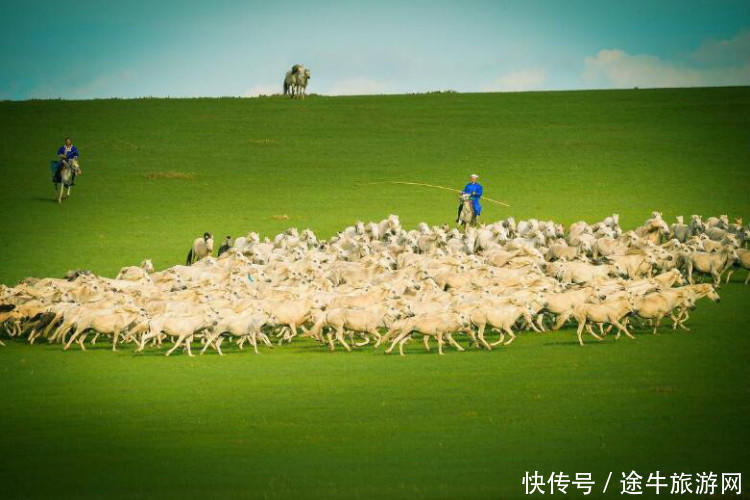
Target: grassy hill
561	155
300	422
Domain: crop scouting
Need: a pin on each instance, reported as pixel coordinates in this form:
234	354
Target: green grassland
300	422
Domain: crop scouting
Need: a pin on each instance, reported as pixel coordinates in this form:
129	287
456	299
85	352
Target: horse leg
561	319
365	341
440	342
678	322
530	323
48	328
453	342
401	344
264	338
82	340
177	343
499	340
480	335
340	338
376	334
729	276
62	332
72	339
209	341
540	322
579	330
656	325
396	341
591	332
329	337
189	341
621	327
510	333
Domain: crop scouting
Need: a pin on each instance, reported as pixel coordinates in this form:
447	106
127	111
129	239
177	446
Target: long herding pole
436	187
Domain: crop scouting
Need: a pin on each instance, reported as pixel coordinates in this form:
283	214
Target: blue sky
93	49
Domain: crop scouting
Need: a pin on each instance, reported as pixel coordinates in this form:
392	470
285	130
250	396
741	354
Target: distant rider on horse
67	153
474	190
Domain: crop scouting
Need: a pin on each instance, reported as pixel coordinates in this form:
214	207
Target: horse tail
189	258
286	86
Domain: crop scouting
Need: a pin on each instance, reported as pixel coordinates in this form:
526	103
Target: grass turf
301	422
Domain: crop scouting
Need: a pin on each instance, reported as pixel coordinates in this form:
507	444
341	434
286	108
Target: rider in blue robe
67	153
474	190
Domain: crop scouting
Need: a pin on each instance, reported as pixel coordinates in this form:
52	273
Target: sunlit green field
298	421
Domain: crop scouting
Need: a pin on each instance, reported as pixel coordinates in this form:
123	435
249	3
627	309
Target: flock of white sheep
379	283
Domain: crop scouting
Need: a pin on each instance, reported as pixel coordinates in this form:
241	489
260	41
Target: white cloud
724	62
359	86
732	52
516	81
619	69
258	90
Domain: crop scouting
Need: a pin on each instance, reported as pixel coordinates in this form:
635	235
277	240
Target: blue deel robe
475	191
73	153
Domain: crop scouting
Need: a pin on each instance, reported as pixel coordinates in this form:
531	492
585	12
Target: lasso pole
436	187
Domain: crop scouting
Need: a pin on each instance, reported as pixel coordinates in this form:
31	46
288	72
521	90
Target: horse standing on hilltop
295	81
